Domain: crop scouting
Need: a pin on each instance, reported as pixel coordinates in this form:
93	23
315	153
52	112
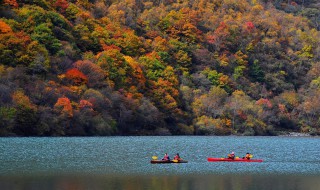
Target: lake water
124	163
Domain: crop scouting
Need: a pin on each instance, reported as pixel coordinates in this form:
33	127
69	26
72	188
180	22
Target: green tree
238	105
210	104
256	72
7	116
43	34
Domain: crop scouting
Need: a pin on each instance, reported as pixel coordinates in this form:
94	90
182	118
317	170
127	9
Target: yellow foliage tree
20	99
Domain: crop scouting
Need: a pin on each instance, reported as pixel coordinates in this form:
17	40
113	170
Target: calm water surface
124	163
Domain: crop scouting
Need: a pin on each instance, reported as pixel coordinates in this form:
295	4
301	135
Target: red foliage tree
61	5
11	3
94	73
249	26
210	39
76	76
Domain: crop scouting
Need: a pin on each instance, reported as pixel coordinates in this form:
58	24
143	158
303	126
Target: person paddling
166	157
231	156
177	157
248	156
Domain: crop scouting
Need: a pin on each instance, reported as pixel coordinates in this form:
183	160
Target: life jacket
231	156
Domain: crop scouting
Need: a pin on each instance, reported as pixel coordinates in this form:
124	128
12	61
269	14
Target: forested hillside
138	67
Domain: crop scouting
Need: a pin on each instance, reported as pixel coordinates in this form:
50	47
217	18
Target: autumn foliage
63	106
76	76
84	104
127	67
12	3
4	28
61	5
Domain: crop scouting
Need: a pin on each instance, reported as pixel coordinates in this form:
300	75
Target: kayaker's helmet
232	152
248	153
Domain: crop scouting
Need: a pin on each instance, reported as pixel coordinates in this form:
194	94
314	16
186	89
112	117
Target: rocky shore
296	134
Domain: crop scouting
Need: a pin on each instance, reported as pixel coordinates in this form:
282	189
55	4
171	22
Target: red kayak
233	160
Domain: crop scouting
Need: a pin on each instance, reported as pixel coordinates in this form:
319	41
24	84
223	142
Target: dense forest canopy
138	67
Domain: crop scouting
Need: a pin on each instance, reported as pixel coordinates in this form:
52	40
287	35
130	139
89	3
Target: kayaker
166	157
177	157
231	156
248	156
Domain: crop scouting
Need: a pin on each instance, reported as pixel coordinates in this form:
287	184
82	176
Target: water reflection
167	182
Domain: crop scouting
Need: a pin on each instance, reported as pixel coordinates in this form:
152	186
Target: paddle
175	161
154	157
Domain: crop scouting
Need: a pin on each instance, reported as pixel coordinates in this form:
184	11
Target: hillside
130	67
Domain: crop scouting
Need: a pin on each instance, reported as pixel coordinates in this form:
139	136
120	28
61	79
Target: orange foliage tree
4	28
63	105
264	102
76	76
12	3
85	104
137	73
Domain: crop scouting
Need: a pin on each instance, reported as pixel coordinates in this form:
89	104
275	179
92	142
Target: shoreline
296	134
